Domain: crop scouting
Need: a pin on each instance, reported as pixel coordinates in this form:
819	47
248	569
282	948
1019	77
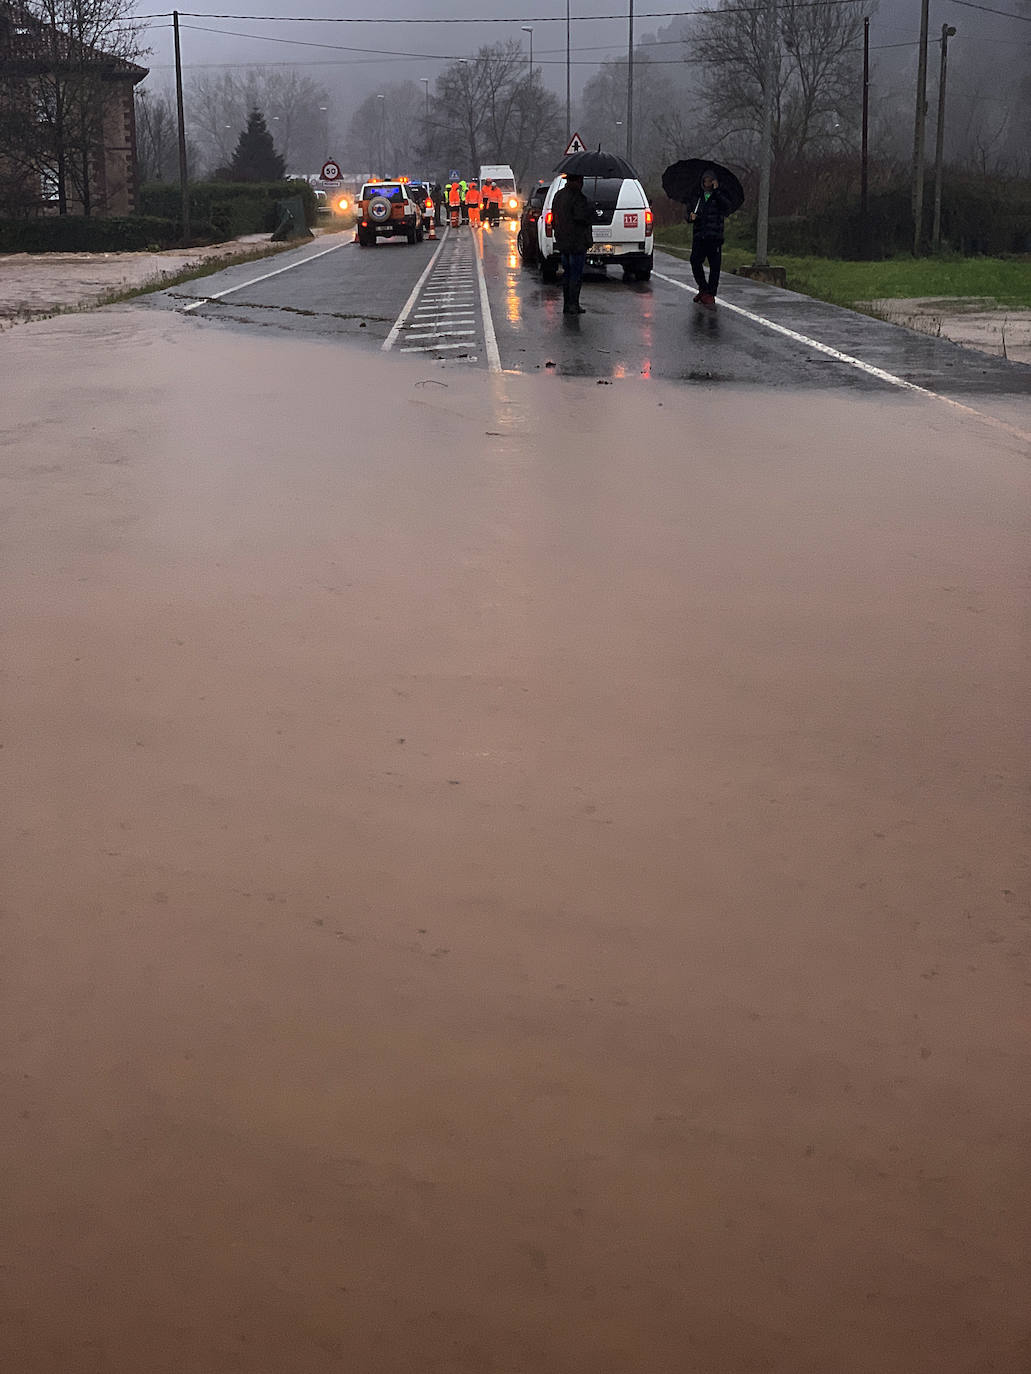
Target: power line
987	9
488	19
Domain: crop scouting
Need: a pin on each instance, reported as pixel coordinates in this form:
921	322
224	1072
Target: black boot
575	308
567	297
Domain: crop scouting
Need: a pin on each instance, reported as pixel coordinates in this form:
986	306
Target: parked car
623	228
526	239
421	193
387	210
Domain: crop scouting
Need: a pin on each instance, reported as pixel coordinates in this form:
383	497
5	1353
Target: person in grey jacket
571	220
707	213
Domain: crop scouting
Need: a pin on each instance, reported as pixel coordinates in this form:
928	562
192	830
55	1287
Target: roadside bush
980	215
234	207
77	234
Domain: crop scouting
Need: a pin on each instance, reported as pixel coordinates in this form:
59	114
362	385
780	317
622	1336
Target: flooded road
505	873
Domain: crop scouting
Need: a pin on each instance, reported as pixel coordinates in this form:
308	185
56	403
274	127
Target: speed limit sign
330	172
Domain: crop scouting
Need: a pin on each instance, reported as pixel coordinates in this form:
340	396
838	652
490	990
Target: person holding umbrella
710	193
571	219
708	216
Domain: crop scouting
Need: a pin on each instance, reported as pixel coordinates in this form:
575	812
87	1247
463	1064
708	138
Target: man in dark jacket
707	212
571	220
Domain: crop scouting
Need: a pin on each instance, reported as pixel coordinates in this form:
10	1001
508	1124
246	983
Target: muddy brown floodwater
505	874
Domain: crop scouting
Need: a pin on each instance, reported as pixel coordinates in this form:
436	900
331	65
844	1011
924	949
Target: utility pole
919	130
939	143
528	28
864	173
762	224
184	185
630	89
569	100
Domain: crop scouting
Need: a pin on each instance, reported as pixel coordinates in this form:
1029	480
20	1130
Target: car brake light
548	229
649	221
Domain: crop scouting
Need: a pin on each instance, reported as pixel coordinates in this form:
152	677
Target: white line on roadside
391	339
217	295
857	363
490	339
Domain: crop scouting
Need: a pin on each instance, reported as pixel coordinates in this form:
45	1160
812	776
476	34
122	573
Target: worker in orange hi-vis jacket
472	202
454	202
496	197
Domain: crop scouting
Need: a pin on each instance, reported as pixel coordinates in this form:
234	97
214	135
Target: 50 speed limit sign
330	172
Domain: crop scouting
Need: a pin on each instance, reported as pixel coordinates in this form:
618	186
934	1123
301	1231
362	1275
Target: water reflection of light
646	368
619	371
513	259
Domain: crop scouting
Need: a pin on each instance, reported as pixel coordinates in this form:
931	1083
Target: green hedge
234	207
77	234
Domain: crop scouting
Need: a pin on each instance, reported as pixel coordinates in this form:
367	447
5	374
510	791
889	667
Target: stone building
67	121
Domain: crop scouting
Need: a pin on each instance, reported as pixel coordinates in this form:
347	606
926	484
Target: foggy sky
983	40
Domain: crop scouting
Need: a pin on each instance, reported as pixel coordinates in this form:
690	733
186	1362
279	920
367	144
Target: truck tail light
649	222
549	227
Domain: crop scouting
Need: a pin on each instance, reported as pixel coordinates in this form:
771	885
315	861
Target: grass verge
1006	281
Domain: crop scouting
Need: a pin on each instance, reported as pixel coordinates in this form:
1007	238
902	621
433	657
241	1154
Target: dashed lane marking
406	309
443	317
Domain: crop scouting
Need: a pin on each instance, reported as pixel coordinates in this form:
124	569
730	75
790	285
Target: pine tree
255	158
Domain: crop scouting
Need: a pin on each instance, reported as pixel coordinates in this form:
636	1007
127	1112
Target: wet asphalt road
467	297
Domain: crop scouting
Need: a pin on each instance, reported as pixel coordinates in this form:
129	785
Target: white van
622	222
502	176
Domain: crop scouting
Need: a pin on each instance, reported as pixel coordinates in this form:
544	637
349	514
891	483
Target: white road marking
868	368
490	339
391	339
443	334
217	295
431	348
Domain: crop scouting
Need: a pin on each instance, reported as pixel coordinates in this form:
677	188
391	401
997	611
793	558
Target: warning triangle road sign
576	145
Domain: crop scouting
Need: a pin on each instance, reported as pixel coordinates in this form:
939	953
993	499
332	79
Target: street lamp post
382	134
630	88
939	143
528	28
324	112
569	100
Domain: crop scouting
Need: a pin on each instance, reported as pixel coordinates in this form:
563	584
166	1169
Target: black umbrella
597	164
683	181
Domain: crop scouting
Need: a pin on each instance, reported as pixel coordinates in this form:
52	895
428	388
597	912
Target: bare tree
59	58
156	135
818	71
386	134
297	108
660	114
491	109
